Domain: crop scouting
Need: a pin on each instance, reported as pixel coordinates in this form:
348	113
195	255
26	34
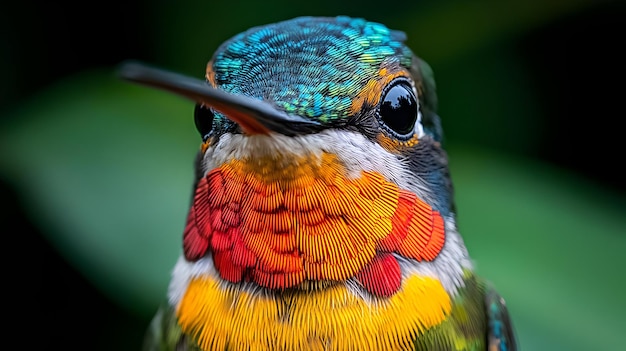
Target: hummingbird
322	214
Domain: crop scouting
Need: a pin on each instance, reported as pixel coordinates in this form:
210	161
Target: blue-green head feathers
308	66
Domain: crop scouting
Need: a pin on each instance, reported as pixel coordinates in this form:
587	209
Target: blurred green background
95	174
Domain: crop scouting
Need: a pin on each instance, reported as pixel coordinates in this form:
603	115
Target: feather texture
320	220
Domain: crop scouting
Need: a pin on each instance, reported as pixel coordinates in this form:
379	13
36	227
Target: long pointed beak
254	116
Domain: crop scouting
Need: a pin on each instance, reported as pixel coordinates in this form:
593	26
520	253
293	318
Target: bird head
321	156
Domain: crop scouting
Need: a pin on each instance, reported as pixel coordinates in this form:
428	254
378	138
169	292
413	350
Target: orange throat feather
286	224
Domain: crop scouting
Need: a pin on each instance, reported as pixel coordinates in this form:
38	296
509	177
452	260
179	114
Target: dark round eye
203	118
398	109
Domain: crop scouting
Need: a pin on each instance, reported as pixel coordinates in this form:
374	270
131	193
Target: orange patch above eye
281	227
371	93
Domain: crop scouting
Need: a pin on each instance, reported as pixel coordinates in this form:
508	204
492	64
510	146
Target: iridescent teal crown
312	67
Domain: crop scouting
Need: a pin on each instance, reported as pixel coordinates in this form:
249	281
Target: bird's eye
399	109
203	118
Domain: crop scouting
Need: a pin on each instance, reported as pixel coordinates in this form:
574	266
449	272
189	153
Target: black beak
254	116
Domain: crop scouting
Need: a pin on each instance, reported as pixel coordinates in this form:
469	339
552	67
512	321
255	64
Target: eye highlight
203	118
398	110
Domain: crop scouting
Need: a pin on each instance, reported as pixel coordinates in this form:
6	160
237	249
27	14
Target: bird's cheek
205	145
